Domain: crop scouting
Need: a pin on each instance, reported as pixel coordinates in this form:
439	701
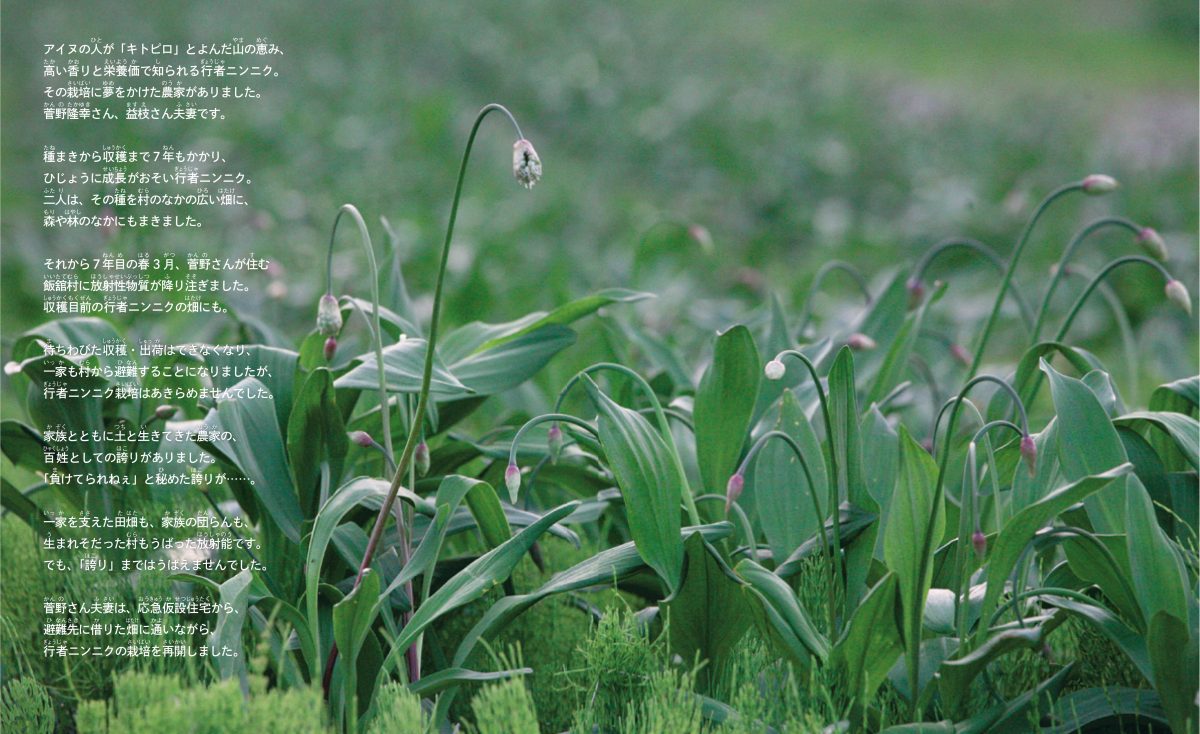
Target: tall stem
414	431
377	336
987	253
1061	268
1011	269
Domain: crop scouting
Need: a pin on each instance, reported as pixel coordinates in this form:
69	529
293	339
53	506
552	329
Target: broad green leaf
274	368
1183	430
1158	571
431	685
1088	445
1111	626
956	675
649	480
782	495
226	638
881	463
570	312
872	641
256	450
916	521
783	617
512	362
1172	646
724	404
710	613
1021	528
484	573
846	445
1109	570
1106	709
403	365
316	437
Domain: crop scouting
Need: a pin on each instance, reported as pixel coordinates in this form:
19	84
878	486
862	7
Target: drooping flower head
1098	184
329	316
527	167
1177	294
1152	242
775	370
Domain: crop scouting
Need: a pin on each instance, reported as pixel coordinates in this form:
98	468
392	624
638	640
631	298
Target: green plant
26	707
504	708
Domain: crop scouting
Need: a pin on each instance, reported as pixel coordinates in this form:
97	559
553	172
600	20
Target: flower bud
916	292
700	234
512	480
1029	453
362	438
979	543
12	368
960	353
165	412
554	439
1177	294
1098	184
421	458
927	444
527	167
860	342
330	348
733	489
1152	242
329	316
774	370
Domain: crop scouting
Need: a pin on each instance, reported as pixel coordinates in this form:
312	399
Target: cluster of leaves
801	504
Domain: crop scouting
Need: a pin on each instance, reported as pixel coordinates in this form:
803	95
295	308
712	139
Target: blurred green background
795	132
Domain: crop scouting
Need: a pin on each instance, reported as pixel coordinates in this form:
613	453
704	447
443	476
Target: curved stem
1061	268
548	417
664	426
414	431
1096	281
819	278
1011	269
812	493
377	337
986	252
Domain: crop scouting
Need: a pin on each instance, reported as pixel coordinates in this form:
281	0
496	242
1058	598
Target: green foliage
144	703
398	711
504	708
26	707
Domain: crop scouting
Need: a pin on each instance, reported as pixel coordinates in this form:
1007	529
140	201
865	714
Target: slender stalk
822	273
984	251
377	336
1092	285
1060	270
1096	281
414	431
834	489
664	426
812	493
548	417
1011	269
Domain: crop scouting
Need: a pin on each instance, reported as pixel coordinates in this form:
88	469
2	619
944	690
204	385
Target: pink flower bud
1029	453
165	412
927	444
362	438
916	293
554	439
700	234
960	353
860	342
1098	184
330	348
1152	242
512	480
979	543
1177	294
421	458
733	489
